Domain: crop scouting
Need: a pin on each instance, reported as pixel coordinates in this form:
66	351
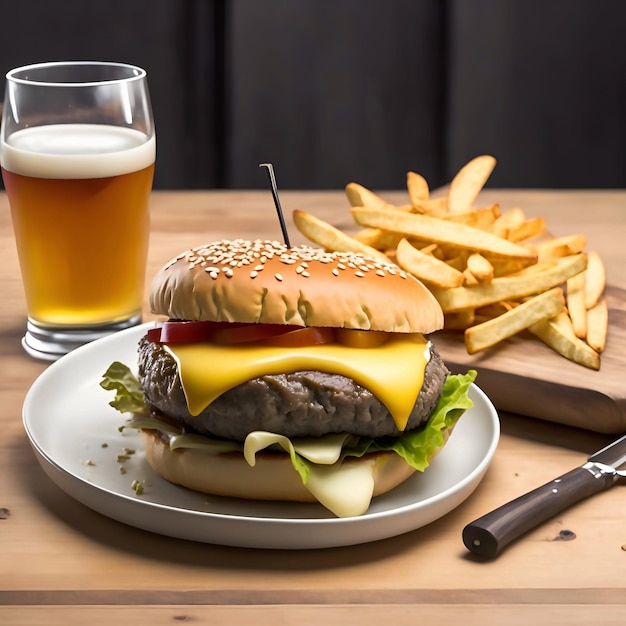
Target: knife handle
490	533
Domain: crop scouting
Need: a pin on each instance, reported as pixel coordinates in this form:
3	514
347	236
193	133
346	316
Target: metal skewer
281	219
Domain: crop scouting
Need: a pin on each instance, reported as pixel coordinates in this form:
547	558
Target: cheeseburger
290	373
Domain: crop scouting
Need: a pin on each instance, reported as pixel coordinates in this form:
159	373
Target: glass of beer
77	149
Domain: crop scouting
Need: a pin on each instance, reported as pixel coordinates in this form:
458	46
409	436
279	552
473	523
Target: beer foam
77	151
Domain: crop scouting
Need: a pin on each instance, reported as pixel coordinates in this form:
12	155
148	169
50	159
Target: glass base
50	344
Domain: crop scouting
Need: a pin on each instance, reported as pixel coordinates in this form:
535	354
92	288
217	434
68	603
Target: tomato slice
284	335
154	334
250	332
310	336
185	331
232	333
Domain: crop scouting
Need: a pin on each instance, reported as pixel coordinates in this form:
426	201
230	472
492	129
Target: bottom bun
272	478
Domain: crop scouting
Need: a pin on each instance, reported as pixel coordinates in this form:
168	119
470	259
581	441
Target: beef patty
300	404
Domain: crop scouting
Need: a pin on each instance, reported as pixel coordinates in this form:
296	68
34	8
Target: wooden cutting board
524	376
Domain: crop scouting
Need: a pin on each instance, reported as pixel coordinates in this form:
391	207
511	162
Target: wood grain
466	613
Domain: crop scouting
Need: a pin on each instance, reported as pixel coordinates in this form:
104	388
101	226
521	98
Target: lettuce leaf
417	448
128	392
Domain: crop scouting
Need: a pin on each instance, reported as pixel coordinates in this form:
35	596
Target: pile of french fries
494	272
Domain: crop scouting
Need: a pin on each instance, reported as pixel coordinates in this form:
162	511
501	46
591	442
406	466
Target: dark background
332	91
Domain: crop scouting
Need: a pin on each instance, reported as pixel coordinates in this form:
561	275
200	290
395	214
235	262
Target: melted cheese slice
393	372
345	490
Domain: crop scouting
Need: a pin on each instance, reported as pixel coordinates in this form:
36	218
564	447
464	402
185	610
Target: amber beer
79	202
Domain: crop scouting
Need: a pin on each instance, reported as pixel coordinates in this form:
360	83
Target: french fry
595	279
576	304
552	332
527	229
468	182
493	271
485	335
443	232
362	196
480	268
559	247
460	320
564	323
512	266
379	239
433	206
551	252
327	236
430	249
597	325
426	267
490	311
457	261
508	220
469	280
482	219
509	287
417	187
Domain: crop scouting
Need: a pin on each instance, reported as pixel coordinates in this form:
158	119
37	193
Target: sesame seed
226	257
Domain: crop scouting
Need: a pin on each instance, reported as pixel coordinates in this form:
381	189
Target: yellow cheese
393	372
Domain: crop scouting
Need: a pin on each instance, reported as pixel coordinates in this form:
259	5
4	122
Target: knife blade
489	534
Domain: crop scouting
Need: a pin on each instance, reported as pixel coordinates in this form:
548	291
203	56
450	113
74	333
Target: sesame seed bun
269	283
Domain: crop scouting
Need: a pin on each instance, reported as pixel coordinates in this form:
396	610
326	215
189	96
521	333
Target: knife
489	534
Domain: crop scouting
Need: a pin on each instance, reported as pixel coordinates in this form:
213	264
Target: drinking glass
77	150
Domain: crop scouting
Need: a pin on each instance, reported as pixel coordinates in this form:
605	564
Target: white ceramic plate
75	436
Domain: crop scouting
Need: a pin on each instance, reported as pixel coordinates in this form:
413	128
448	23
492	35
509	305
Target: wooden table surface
62	563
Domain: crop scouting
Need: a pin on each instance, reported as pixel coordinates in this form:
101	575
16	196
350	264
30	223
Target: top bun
269	283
